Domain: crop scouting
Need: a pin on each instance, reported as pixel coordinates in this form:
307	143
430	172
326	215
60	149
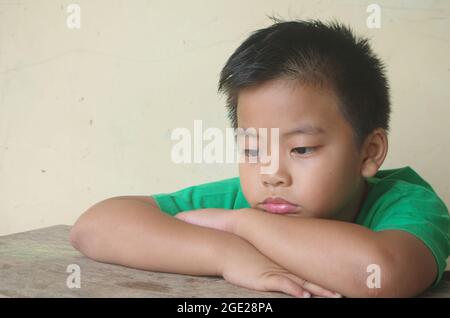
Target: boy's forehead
302	109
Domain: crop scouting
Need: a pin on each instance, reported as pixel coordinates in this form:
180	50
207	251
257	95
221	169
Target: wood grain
34	264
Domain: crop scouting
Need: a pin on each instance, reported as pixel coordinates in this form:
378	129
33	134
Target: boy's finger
314	289
285	285
320	291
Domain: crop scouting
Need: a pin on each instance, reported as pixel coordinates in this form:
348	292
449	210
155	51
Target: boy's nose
277	179
274	184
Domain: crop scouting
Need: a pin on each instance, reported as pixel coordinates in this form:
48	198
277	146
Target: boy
327	221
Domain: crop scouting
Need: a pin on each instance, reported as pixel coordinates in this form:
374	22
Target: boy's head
321	79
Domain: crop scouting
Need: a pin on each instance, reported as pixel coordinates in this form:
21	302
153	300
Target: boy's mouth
278	205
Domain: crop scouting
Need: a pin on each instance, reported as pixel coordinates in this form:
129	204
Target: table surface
35	263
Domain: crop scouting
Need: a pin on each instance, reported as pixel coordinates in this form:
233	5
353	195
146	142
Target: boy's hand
219	219
247	267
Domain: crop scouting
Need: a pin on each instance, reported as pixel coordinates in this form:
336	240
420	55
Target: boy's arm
135	233
337	255
132	231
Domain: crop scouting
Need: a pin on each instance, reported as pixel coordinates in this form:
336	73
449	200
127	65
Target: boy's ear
374	152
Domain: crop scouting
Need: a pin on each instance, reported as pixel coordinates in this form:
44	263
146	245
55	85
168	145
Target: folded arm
135	233
337	255
132	231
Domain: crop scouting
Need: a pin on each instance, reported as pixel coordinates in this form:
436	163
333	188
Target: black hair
315	53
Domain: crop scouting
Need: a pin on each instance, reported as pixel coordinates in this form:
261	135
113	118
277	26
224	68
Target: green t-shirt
397	199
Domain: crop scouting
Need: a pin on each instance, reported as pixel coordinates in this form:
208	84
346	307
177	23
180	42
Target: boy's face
318	172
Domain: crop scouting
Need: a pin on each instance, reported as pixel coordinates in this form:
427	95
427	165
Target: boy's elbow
390	287
393	280
83	231
78	237
406	266
75	237
378	277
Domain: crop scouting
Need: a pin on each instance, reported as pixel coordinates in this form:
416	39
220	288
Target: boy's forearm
137	234
332	254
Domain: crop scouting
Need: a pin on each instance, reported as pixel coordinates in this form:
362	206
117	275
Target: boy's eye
251	152
303	150
297	150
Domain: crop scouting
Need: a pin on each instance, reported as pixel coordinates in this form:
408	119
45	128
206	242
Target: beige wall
86	114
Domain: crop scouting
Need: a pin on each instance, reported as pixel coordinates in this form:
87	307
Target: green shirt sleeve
224	194
420	212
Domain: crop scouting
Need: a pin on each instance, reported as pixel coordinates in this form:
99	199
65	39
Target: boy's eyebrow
306	129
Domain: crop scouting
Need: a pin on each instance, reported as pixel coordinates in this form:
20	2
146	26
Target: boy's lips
278	205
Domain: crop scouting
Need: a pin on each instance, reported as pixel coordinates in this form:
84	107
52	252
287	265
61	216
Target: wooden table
34	264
